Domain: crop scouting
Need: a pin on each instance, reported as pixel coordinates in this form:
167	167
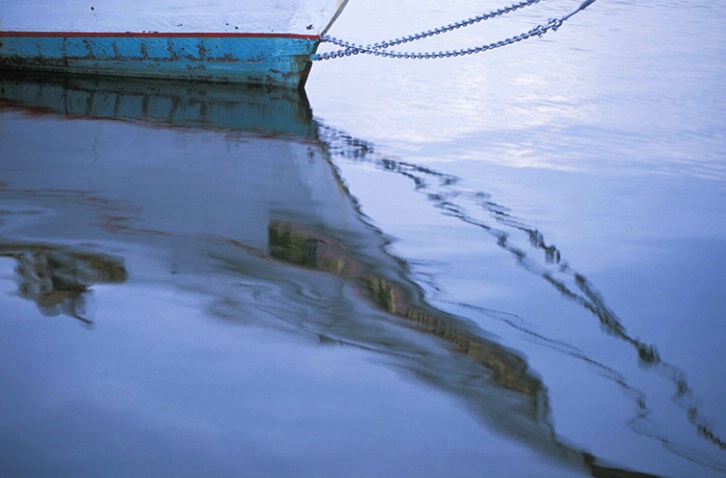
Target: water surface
507	264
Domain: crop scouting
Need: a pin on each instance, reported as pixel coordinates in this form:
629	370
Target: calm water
503	265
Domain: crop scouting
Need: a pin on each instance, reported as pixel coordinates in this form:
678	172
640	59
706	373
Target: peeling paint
226	41
281	61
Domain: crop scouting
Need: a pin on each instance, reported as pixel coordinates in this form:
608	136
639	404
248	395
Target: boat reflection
59	279
169	104
282	208
308	248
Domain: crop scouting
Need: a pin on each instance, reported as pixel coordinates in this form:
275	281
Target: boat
223	41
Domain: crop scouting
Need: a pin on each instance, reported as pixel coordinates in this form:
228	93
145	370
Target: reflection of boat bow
233	107
265	197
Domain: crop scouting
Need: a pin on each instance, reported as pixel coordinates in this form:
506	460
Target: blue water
509	264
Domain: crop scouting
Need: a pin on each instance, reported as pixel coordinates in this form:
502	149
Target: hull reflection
273	213
169	104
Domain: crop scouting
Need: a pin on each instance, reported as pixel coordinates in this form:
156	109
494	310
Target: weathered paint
276	60
223	41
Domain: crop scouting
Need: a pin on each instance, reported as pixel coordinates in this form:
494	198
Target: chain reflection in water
442	191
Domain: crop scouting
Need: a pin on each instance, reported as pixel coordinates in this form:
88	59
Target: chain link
457	25
379	49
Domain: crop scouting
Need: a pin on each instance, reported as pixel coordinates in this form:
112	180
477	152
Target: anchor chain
379	49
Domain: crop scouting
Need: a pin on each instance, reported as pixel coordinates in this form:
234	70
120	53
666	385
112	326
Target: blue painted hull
279	60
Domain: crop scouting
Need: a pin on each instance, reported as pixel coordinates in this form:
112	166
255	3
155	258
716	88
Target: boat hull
221	42
280	60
